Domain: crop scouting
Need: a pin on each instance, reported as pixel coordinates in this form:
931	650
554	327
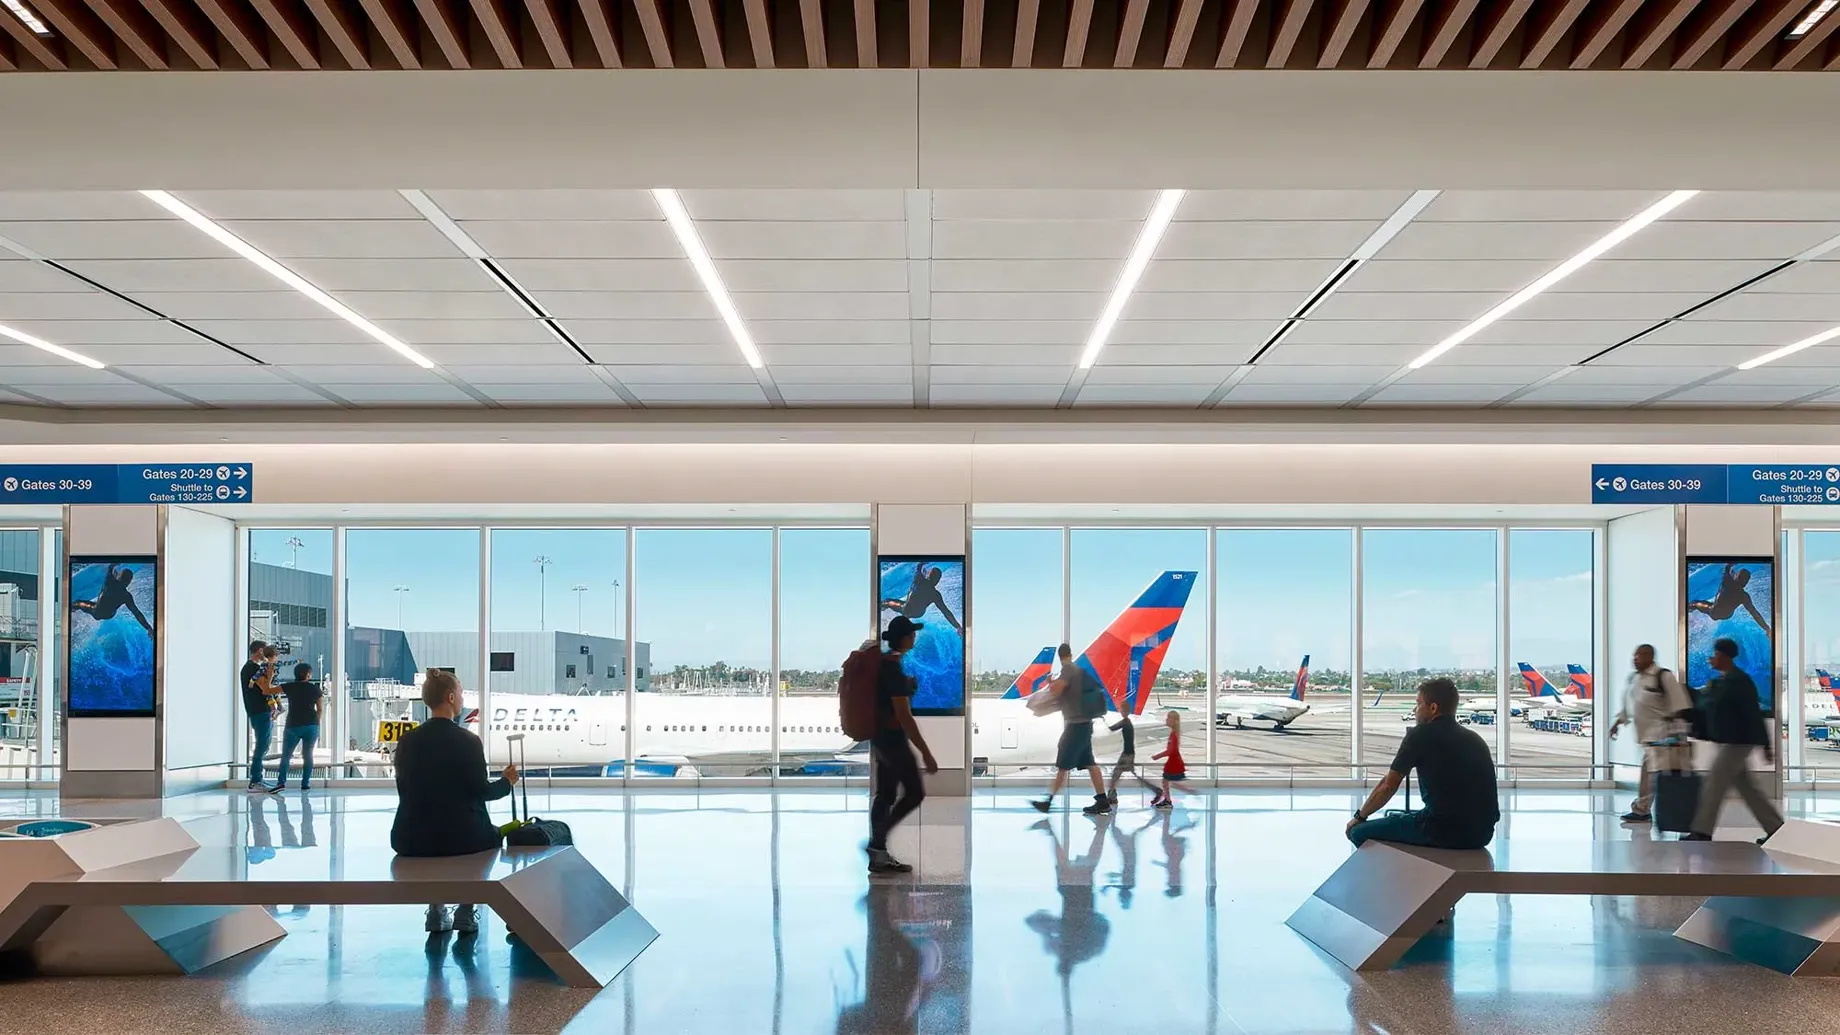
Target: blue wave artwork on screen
111	629
1734	599
931	591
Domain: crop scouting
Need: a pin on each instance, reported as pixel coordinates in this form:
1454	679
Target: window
25	704
290	605
712	659
612	673
1427	609
568	672
1820	650
1551	603
1017	587
825	612
503	661
1285	595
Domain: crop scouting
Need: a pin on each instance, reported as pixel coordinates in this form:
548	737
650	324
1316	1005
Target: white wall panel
1643	590
198	635
109	745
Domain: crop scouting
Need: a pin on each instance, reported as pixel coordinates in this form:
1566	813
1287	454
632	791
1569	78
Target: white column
1356	691
930	528
486	733
50	669
1642	577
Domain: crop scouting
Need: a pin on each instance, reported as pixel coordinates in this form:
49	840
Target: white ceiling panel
434	305
369	354
1658	358
198	353
1300	276
847	395
780	356
73	333
234	371
551	353
1009	332
630	305
843	374
1424	333
1450	374
1267	308
1404	305
711	354
1672	238
1557	332
1760	308
1024	274
1765	205
576	239
132	276
650	332
1042	204
1292	353
701	395
287	239
1204	377
277	393
1293	395
595	394
1735	332
1015	305
62	372
390	275
433	390
991	374
1647	307
1469	395
374	373
120	393
466	205
233	305
1603	372
1062	356
1264	239
22	275
995	395
224	205
64	305
1373	205
1802	278
541	276
1567	391
1519	355
1216	354
831	332
1808	377
1728	393
822	305
1706	277
468	332
287	332
1037	239
1143	395
1276	374
663	374
1557	206
29	205
1232	333
1502	277
113	239
812	274
526	374
813	205
794	240
1549	241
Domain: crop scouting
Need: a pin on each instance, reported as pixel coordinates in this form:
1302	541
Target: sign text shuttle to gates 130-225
1765	484
127	483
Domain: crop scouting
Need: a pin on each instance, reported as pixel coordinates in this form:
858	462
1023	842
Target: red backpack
856	691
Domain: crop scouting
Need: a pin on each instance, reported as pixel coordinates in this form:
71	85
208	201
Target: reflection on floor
1140	922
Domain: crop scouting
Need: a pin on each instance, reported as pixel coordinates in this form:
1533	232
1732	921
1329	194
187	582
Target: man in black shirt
442	790
892	748
256	682
1734	721
1456	777
303	702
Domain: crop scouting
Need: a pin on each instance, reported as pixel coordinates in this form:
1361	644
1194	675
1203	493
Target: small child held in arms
1174	771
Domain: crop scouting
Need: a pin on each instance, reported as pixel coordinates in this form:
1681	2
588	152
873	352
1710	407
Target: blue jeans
264	727
1403	829
306	737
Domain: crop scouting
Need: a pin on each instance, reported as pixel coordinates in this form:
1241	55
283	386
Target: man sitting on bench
1456	776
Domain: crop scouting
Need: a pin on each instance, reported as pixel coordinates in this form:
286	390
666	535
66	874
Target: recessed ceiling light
24	14
284	275
1789	350
692	243
1809	21
56	350
1141	254
1553	276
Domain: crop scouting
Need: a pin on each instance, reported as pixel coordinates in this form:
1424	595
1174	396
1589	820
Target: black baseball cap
901	628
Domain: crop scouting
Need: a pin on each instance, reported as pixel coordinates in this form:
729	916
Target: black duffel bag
531	832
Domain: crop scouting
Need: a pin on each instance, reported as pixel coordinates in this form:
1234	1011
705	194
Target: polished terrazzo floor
1141	922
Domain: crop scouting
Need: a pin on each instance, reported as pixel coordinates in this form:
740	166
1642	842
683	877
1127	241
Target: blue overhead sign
126	483
1667	484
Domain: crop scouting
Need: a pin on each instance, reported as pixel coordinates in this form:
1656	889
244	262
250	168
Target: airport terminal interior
1295	394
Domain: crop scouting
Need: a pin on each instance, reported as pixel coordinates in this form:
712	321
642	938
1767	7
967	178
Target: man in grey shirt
1654	703
1075	750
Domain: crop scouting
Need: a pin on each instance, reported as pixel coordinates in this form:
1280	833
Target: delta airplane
1278	710
1824	708
1574	700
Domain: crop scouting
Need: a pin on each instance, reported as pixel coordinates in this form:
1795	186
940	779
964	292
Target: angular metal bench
176	907
1777	905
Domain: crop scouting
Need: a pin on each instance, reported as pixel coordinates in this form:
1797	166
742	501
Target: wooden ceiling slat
971	39
651	19
1079	26
708	36
1495	37
80	29
447	31
296	36
1602	30
552	31
1239	26
599	20
1658	24
1290	26
1130	34
1721	15
1809	44
811	16
7	64
44	51
1182	36
866	56
239	30
347	36
1547	36
135	28
1445	35
500	30
1767	30
1028	14
1341	33
1388	39
919	33
187	28
395	29
760	32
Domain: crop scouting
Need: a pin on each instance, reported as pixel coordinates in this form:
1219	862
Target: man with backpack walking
875	706
1735	722
1656	704
1081	701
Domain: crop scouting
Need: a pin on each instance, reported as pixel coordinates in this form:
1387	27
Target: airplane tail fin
1034	677
1126	657
1537	685
1827	681
1303	679
1377	697
1581	682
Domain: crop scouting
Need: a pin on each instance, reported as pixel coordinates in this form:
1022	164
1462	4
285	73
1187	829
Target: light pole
618	629
578	589
400	590
542	562
294	544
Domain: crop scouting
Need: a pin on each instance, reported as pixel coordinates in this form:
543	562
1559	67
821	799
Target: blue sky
706	594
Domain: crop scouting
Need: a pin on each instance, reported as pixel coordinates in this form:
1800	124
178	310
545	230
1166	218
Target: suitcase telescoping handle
517	742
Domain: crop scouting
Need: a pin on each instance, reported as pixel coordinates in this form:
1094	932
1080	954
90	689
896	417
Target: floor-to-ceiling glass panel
411	604
704	609
1016	593
1551	588
1139	602
824	613
1820	602
1427	609
556	658
22	686
290	607
1283	641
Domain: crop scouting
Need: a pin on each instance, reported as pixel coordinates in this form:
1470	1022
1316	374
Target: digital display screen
113	621
1733	598
931	591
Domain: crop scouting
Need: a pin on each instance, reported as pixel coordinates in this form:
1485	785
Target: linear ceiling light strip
692	243
1141	253
285	275
1807	24
24	14
1558	273
56	350
1791	349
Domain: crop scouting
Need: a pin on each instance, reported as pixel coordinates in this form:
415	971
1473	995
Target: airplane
1542	694
1818	708
1280	711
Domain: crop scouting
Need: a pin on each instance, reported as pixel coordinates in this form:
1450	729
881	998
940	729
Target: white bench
1777	905
143	897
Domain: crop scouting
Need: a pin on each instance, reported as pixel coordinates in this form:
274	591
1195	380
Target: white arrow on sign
241	492
1601	484
240	473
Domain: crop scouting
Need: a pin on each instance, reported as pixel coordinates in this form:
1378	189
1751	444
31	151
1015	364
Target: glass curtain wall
1284	601
24	603
1018	589
1552	644
824	614
1819	598
290	606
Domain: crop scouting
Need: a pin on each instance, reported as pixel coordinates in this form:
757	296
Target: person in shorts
1174	769
1127	759
1075	750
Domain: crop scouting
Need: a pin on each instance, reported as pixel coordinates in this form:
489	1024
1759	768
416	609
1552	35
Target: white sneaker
466	920
438	920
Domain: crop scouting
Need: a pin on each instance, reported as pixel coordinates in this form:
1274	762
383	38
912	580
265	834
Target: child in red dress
1174	771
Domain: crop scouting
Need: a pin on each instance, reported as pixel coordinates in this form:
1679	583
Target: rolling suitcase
1676	790
531	832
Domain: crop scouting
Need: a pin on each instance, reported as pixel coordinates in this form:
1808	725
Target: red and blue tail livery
1303	679
1035	677
1537	685
1128	654
1581	682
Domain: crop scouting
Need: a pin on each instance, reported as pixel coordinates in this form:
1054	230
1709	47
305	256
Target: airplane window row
743	729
